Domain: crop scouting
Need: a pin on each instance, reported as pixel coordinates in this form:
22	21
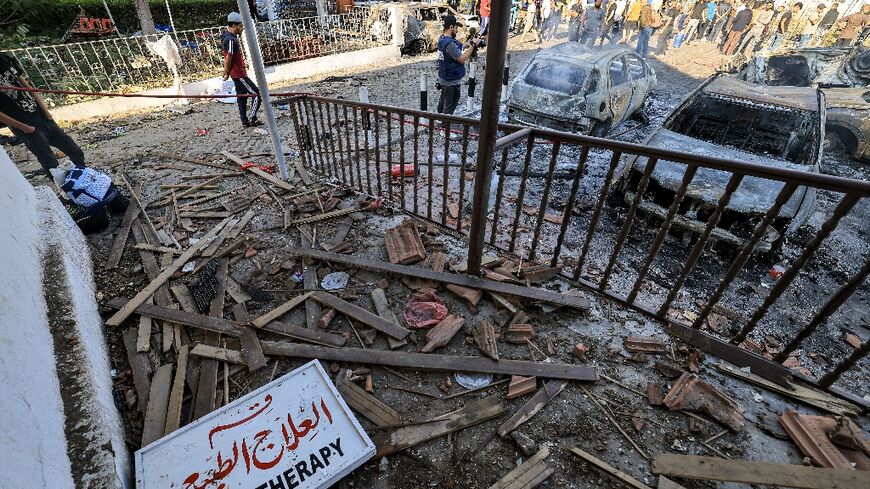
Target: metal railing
556	200
125	64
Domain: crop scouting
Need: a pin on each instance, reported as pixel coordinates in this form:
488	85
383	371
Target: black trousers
46	135
245	85
449	99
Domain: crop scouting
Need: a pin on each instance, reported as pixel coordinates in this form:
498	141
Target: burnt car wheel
601	128
840	141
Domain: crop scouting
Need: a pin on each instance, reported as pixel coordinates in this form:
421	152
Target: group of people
737	26
89	195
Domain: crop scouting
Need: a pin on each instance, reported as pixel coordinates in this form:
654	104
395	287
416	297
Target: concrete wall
59	427
105	107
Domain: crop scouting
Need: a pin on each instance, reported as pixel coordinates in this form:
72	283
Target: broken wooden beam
366	404
641	344
279	311
230	328
382	306
544	395
123	232
141	368
218	353
622	476
251	349
158	401
195	161
176	395
392	441
528	474
448	278
758	473
167	272
369	319
429	361
521	386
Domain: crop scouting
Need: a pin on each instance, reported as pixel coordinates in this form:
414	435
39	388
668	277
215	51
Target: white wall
34	418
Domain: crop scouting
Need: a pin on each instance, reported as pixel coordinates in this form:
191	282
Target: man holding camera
452	56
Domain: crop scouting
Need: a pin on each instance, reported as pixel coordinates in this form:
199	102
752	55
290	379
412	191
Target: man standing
613	21
742	21
646	23
630	26
592	24
452	56
810	25
484	15
853	25
26	114
723	11
574	13
759	24
234	67
531	22
784	24
826	23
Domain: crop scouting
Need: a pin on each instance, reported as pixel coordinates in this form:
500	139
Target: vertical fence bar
431	155
416	163
545	199
402	159
462	173
569	208
521	193
316	144
359	177
730	187
326	137
330	130
445	181
365	134
338	139
347	163
389	129
596	214
629	220
846	203
378	151
498	194
831	305
741	259
829	378
663	231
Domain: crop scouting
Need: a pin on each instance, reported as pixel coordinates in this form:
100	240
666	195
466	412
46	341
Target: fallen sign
448	278
322	440
780	475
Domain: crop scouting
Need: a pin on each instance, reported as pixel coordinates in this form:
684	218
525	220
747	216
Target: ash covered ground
473	457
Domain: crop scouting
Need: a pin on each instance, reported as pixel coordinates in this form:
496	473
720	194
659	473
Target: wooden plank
123	232
208	367
392	441
260	173
157	249
251	349
622	476
217	353
279	311
158	401
143	335
231	328
745	471
513	475
362	315
149	264
429	361
448	278
313	312
537	402
236	292
171	156
176	395
182	294
382	306
204	215
149	289
323	217
140	367
212	248
367	405
665	483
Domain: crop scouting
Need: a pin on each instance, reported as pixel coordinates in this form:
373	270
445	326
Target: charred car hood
537	100
753	196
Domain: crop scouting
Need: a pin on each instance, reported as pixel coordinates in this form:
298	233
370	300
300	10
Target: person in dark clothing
782	27
592	24
670	16
742	22
27	116
234	68
723	13
452	56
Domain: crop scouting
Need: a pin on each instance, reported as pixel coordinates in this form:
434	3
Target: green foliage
53	17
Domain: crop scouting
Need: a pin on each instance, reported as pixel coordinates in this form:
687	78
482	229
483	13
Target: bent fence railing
126	64
556	200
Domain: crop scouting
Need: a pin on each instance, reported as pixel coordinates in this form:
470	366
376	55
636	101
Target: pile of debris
186	358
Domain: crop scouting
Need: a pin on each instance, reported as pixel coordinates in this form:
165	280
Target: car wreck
572	88
843	74
728	118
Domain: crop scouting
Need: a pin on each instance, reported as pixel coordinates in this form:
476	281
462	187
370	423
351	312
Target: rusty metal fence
126	64
556	199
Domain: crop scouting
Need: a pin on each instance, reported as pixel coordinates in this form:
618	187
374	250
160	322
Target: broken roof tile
693	394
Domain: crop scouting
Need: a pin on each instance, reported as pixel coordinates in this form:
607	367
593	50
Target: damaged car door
641	81
620	91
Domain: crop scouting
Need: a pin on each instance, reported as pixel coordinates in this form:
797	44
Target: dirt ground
475	457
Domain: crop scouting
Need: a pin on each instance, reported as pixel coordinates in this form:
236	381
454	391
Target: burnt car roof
830	66
801	98
577	52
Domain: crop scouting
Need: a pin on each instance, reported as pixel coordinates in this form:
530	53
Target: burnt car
423	24
844	75
725	117
569	87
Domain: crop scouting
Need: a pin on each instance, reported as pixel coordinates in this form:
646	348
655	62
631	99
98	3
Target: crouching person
92	198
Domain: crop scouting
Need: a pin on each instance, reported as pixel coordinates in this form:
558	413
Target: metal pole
489	112
424	90
472	82
260	72
505	78
109	13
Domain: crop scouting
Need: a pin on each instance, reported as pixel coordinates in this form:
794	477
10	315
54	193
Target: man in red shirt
234	67
484	15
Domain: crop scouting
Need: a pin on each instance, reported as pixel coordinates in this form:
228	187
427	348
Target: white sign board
294	433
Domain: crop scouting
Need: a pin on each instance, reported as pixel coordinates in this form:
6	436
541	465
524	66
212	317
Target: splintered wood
404	245
528	475
367	405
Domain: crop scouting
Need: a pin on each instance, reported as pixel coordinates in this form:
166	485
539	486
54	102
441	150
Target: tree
146	21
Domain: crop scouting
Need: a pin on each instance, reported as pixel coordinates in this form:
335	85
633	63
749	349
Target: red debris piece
521	386
694	364
443	332
654	395
484	339
791	362
404	245
811	435
473	296
325	319
580	351
853	340
639	423
425	309
693	394
202	132
265	168
396	171
848	434
519	333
